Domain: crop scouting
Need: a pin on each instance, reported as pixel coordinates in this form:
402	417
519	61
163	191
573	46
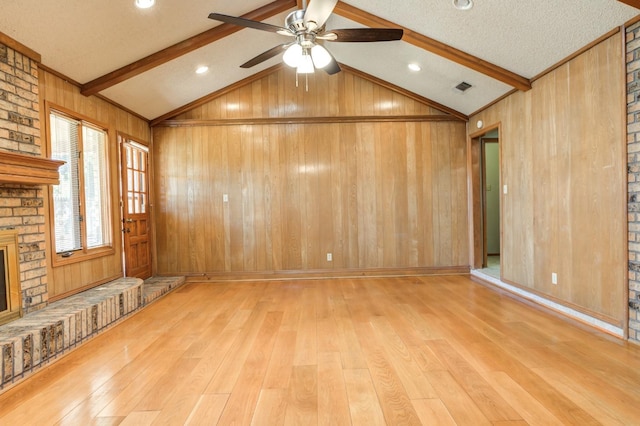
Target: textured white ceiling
87	39
523	36
174	84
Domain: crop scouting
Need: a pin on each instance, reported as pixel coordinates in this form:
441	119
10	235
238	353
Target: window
81	207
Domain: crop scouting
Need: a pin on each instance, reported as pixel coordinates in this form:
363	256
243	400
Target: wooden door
136	223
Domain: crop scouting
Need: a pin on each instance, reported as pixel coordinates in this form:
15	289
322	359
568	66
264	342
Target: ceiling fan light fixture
306	64
321	57
145	4
293	55
463	4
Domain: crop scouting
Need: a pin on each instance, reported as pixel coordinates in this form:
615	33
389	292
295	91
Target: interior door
136	222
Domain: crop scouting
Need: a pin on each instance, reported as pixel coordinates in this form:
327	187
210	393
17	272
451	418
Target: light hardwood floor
366	351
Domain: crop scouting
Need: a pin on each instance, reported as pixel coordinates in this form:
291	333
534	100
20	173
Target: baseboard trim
549	304
322	274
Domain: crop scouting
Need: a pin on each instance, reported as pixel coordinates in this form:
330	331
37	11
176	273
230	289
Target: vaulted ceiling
145	59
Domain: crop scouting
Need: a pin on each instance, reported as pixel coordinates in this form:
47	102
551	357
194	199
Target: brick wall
21	206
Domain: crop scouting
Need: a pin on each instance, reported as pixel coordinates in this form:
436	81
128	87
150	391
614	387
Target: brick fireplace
10	289
23	174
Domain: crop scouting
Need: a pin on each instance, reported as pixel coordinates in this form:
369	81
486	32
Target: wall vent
463	86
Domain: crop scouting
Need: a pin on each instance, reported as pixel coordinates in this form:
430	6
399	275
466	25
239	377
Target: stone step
40	337
156	287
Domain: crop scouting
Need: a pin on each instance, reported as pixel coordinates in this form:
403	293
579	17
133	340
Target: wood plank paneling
375	194
276	95
563	156
70	278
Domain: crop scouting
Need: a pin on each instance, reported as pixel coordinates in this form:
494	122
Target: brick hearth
42	337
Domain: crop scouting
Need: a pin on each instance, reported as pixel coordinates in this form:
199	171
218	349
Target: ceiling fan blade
318	12
362	34
265	55
249	23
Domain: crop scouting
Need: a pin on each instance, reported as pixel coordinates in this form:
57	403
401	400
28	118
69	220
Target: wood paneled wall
70	278
375	194
276	96
563	156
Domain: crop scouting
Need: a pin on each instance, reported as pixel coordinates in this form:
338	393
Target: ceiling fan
307	27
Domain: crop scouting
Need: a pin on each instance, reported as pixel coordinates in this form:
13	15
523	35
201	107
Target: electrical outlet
225	198
329	257
554	278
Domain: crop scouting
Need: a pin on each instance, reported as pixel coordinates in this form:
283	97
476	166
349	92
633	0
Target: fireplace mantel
28	169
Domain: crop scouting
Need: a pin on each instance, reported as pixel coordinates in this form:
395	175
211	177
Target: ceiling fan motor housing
296	23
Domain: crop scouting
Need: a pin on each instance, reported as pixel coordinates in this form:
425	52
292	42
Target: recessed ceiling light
145	4
202	69
463	4
414	67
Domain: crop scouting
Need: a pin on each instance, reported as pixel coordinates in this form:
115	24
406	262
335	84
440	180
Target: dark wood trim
455	115
486	129
123	135
19	47
631	21
632	3
306	120
104	98
58	74
74	116
165	55
476	196
556	66
122	107
203	100
436	47
28	169
322	274
476	221
483	199
406	92
578	53
490	104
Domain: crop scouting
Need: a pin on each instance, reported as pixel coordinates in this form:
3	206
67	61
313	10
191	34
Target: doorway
485	201
136	223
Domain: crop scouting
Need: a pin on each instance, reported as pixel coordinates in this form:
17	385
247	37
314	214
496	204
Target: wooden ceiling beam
19	47
436	47
165	55
632	3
